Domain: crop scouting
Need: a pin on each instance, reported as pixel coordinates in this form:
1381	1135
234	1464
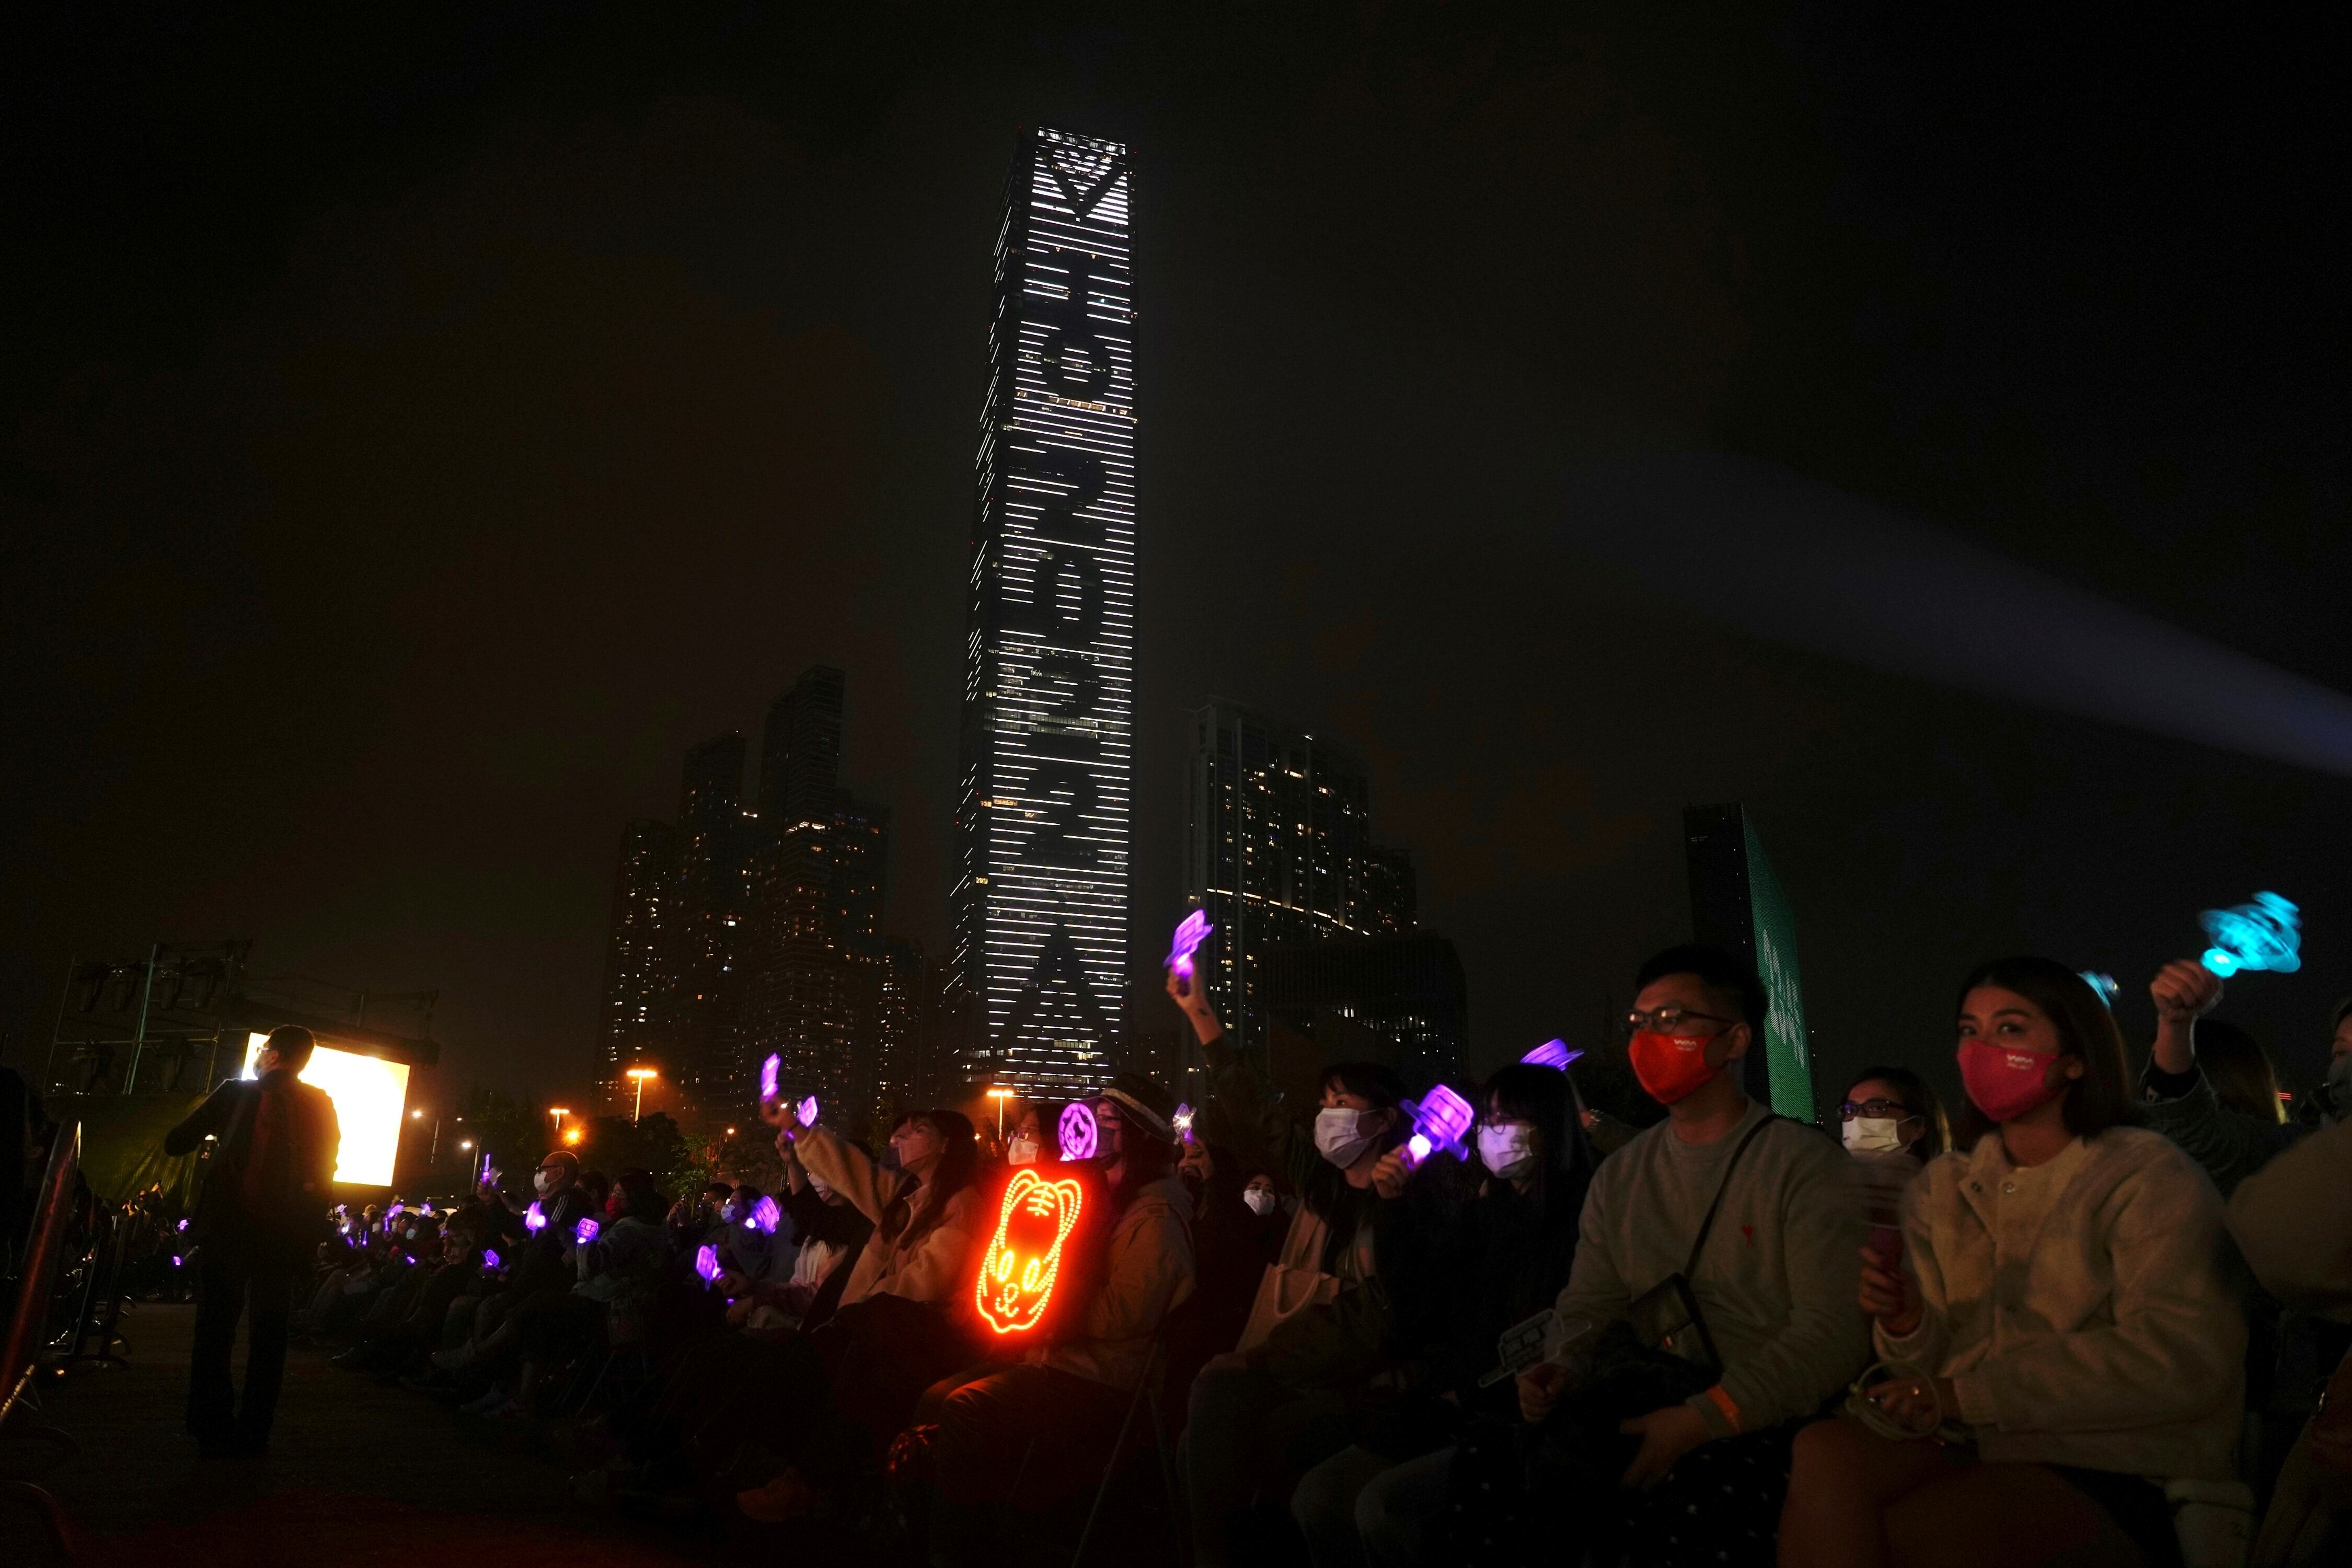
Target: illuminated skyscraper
1040	904
715	841
1279	850
642	955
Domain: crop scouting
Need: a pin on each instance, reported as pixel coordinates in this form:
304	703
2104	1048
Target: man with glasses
1774	1283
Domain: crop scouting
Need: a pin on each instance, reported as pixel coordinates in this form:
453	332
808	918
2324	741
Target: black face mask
1192	1180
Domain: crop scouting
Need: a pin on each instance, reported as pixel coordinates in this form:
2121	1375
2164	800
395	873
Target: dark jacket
268	1185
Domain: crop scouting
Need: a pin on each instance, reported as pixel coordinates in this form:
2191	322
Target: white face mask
1872	1135
1339	1134
1020	1152
1261	1200
1508	1151
542	1182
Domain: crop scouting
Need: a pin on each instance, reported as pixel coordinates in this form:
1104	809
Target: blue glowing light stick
532	1219
585	1231
1553	1054
2102	985
2264	935
1438	1122
705	1263
769	1071
765	1216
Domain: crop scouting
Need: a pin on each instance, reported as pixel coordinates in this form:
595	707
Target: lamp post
559	1112
641	1073
999	1095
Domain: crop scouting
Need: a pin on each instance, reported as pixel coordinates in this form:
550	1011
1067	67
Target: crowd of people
2088	1317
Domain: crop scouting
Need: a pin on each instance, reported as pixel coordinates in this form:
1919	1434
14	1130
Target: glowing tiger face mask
1024	1255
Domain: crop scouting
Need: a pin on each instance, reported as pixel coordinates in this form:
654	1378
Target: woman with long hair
2059	1329
1318	1329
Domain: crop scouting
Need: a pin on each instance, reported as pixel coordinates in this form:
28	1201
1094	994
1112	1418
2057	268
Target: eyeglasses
1877	1109
1667	1021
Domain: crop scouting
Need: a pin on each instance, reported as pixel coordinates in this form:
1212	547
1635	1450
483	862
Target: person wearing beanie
1070	1395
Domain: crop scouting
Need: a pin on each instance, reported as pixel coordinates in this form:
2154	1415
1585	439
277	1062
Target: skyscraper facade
637	1023
715	838
1279	851
1040	902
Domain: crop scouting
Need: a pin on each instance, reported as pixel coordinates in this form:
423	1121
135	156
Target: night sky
418	428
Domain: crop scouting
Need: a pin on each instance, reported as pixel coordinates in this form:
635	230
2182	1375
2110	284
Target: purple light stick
1182	1122
1553	1054
532	1219
1077	1132
766	1215
1194	930
705	1263
182	1226
490	1258
808	1112
585	1231
769	1070
1438	1122
176	1262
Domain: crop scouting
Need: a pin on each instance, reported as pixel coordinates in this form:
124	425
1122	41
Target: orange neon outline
1019	1305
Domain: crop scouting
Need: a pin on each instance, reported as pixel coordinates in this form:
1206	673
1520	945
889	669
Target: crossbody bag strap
1690	1270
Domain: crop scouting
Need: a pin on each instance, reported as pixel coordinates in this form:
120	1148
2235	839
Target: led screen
370	1094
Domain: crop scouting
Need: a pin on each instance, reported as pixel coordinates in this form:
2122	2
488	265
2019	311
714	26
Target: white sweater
2079	1307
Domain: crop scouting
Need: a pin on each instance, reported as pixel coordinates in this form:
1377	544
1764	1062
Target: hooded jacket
1147	1273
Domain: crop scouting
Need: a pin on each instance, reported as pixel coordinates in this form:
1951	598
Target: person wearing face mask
542	1261
1716	1253
1890	1110
843	1390
1318	1329
1461	1275
832	1232
2190	1065
1026	1146
1234	1240
2060	1317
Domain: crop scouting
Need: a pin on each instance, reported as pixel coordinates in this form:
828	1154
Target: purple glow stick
532	1219
176	1262
1182	1122
808	1112
585	1231
1189	934
705	1263
1553	1054
769	1070
490	1258
1438	1122
182	1226
766	1215
1077	1132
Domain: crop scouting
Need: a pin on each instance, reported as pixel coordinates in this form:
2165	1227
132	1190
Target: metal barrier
29	1321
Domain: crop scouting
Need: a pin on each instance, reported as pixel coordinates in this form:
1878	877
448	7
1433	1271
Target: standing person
263	1208
1683	1456
2061	1319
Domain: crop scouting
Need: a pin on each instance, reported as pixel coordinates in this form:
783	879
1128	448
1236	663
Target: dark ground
358	1475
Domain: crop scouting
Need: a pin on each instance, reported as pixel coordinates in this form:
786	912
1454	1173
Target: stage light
1017	1273
2264	935
369	1094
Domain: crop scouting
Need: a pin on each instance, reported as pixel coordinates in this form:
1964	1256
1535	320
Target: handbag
1292	1284
1666	1319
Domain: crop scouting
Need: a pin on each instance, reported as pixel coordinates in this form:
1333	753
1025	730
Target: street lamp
559	1112
999	1095
641	1073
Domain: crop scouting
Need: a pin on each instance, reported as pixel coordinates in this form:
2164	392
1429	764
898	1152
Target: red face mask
1671	1067
2003	1083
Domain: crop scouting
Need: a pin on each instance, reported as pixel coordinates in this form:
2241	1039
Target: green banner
1785	1046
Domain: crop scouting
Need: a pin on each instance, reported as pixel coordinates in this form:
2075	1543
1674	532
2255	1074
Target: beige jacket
2079	1307
2293	1219
929	1268
1147	1271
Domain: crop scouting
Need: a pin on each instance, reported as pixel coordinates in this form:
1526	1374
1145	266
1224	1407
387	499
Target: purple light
1077	1132
1189	934
490	1258
175	1261
532	1219
706	1263
585	1231
769	1070
1438	1122
182	1226
1182	1122
808	1112
1553	1054
766	1215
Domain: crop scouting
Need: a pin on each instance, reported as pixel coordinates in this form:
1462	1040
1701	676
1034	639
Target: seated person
2067	1338
1682	1457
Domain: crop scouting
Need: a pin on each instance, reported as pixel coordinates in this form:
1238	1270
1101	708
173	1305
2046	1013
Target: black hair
2094	1102
1525	1092
293	1044
1327	1192
957	1169
2240	1071
1720	973
1913	1094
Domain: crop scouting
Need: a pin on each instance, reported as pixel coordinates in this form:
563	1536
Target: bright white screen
369	1094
